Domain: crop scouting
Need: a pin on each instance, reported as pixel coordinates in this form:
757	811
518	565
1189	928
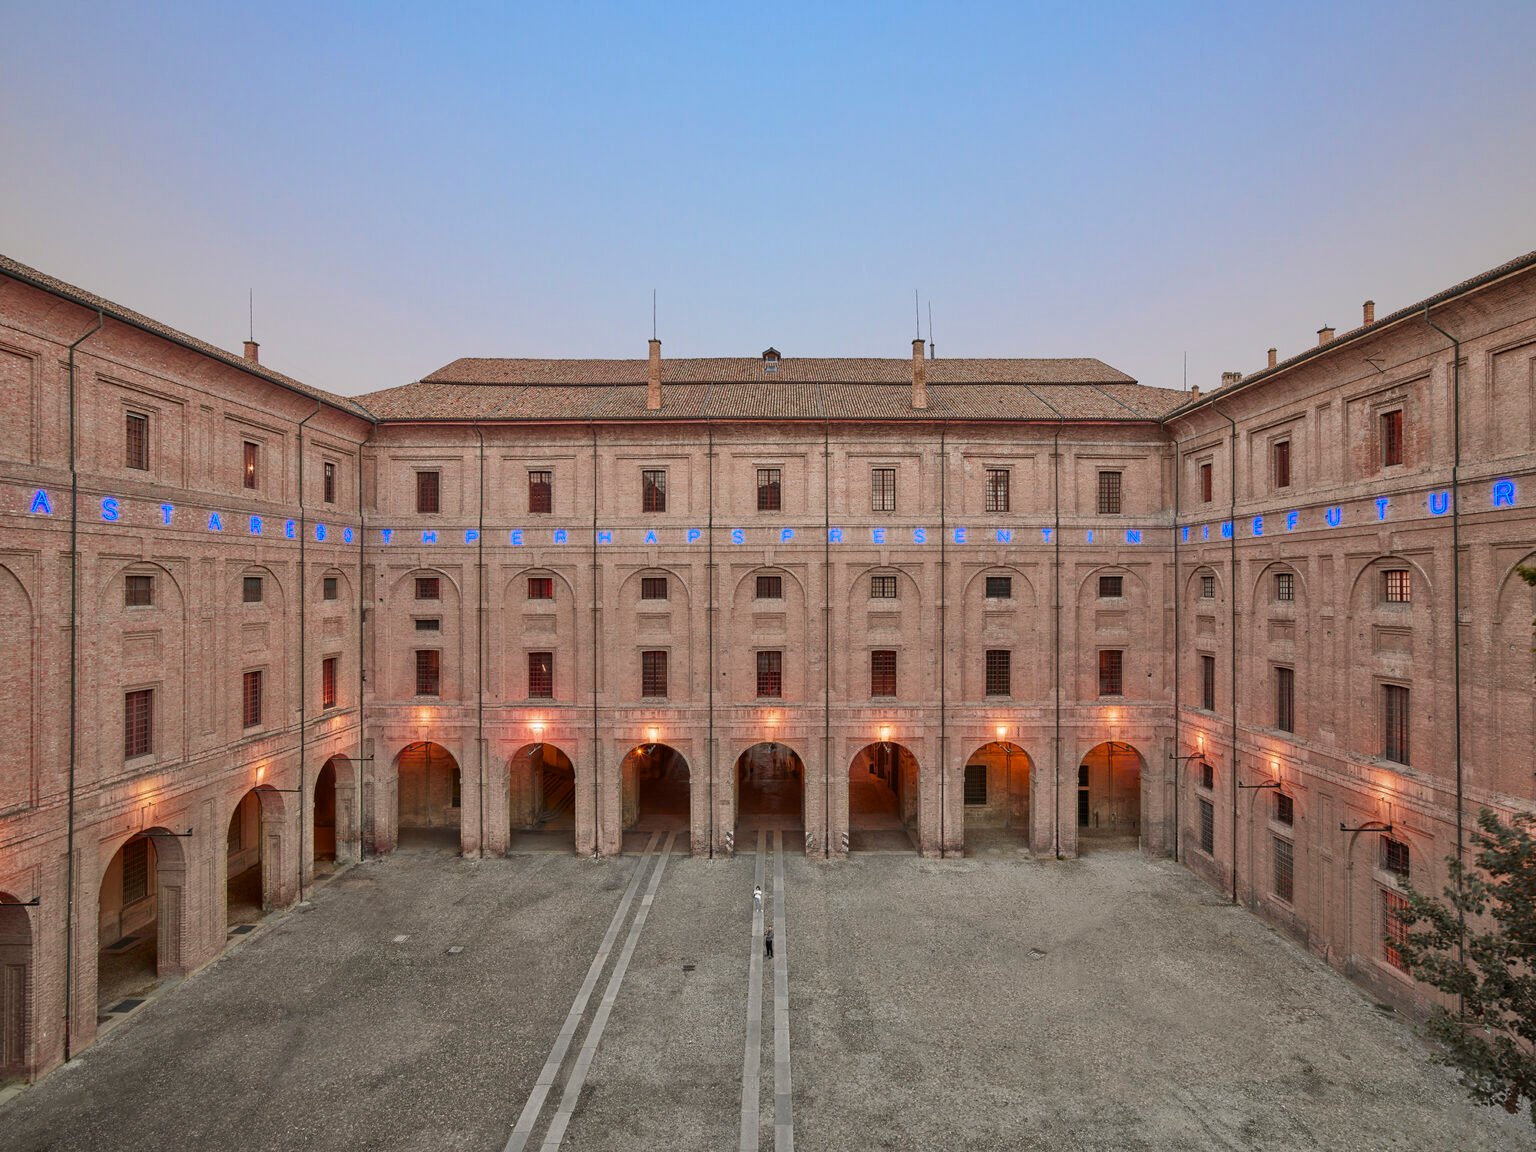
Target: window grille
653	490
1391	438
328	482
541	587
653	673
250	590
1285	809
999	666
1207	587
1111	667
1109	493
541	675
882	587
1208	683
1285	699
429	624
769	490
882	673
1207	775
653	588
541	491
135	870
1207	827
1394	744
1394	927
429	492
882	489
251	699
429	669
999	587
138	591
138	723
252	454
1396	857
975	784
770	674
1285	586
137	441
330	588
328	682
429	588
1111	587
1397	586
770	587
1205	483
1282	452
997	489
1285	870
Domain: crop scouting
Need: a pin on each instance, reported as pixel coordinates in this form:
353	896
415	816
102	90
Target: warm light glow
538	729
261	773
653	735
885	733
1002	730
1200	742
1274	765
1113	715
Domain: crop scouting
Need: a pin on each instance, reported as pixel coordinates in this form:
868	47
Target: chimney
250	351
1370	312
1194	392
1271	357
653	378
919	376
1324	334
1229	378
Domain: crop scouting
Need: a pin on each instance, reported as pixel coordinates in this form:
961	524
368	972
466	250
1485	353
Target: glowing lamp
261	773
538	729
1002	730
1200	742
653	735
885	733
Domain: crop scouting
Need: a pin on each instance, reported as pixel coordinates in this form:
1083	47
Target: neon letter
1504	493
346	535
388	533
1381	507
877	535
109	508
919	535
429	536
1226	529
319	532
1005	535
515	537
834	535
1439	503
1291	520
786	536
214	523
1258	525
41	507
560	536
959	535
471	535
1186	533
1205	531
1334	516
291	529
738	536
255	525
1133	535
1090	535
693	534
166	512
1046	532
605	537
650	536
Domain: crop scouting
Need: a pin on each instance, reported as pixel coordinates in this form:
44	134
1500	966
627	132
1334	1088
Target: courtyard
422	1001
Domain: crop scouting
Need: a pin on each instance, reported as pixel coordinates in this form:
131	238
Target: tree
1480	945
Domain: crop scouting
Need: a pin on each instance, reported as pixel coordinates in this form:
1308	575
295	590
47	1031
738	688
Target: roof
799	389
56	287
1481	280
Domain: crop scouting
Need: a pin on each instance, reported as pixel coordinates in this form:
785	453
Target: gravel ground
1106	1003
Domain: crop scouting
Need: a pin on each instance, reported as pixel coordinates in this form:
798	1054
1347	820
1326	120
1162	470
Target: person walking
768	943
757	898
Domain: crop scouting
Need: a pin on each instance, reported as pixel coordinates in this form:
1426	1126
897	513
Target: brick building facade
934	603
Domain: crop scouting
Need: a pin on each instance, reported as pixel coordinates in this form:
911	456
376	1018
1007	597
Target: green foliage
1492	1043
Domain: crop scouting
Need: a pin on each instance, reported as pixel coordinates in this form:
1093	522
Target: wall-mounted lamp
537	727
653	735
261	773
1002	731
1200	742
885	733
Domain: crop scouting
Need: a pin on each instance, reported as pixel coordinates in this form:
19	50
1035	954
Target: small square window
1285	586
1207	587
541	675
770	588
541	490
1111	587
137	442
1109	493
429	588
999	587
997	489
769	490
1111	673
330	588
429	492
770	674
138	591
882	673
882	489
429	672
250	590
999	672
1285	809
429	624
1396	857
975	784
653	490
1397	586
882	587
653	588
541	587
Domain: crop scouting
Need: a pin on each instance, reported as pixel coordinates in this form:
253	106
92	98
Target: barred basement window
138	723
1109	493
653	490
541	675
429	672
541	490
1391	438
328	682
997	489
999	672
882	489
1394	927
1207	587
541	587
1397	586
250	697
429	624
1208	683
1285	870
429	492
1205	483
1282	457
250	590
975	784
429	588
1207	775
1207	827
882	587
770	587
999	587
1111	669
770	674
1285	586
328	483
769	490
653	588
1396	857
330	588
882	673
1394	722
136	441
1285	699
249	477
1285	809
1111	587
138	591
135	870
653	673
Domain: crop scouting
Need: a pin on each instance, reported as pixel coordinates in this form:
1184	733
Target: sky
398	186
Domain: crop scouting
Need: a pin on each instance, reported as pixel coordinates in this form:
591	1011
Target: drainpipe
826	633
359	776
303	629
74	672
1232	628
596	830
480	635
709	627
1178	608
1056	623
943	664
1461	916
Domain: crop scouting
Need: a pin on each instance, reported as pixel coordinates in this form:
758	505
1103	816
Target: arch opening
245	897
1109	797
884	799
15	986
770	789
323	841
428	802
541	799
657	792
995	797
139	913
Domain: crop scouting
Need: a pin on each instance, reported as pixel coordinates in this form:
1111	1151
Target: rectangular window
1285	586
1396	857
1208	683
138	591
328	682
770	674
1111	587
250	698
1282	458
541	675
1207	827
429	624
1397	586
882	673
1111	667
135	870
1109	493
330	588
770	587
999	587
541	587
250	590
1285	699
1394	927
882	587
999	672
429	672
1394	743
1285	809
136	441
653	588
769	492
328	484
1207	587
429	492
1285	870
653	490
975	784
1391	438
429	588
882	489
252	458
1205	483
541	490
997	489
138	723
653	673
1207	775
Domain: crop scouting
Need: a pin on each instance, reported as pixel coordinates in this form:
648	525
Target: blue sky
404	185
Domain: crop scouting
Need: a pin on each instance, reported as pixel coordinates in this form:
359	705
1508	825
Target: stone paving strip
783	1102
751	1061
551	1070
